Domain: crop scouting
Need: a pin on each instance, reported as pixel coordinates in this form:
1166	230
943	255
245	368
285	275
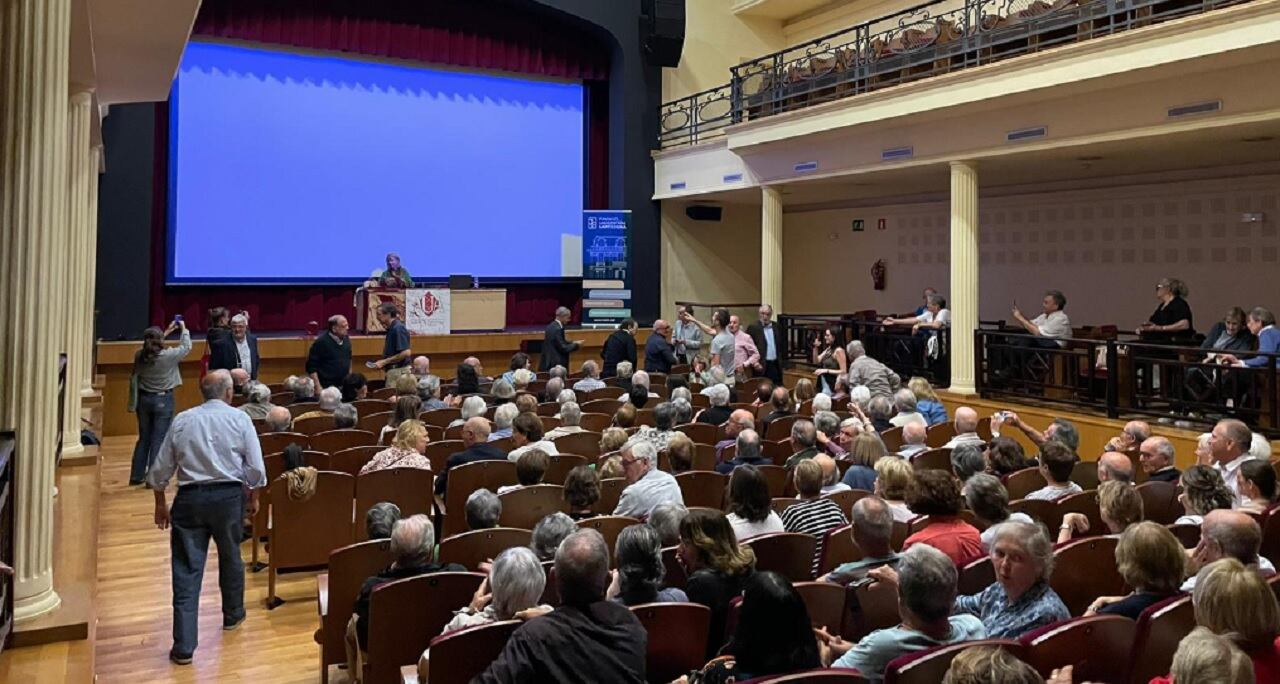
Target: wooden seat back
470	549
869	606
365	407
581	443
609	527
407	488
1160	502
467	478
1086	504
300	408
1084	570
304	533
838	548
846	498
352	459
1085	474
779	504
440	417
703	488
331	441
458	657
374	422
274	442
1098	647
776	476
933	459
930	666
1156	636
937	435
595	422
780	428
1270	548
405	614
559	465
1020	483
976	575
603	401
1040	510
892	439
439	452
677	640
524	507
349	567
610	493
824	602
702	433
314	425
789	554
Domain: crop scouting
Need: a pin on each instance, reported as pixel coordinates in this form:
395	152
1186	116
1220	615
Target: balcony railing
924	41
908	354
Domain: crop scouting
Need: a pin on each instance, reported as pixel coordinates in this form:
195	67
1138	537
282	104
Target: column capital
81	96
963	164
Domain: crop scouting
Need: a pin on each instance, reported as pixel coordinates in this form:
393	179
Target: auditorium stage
283	356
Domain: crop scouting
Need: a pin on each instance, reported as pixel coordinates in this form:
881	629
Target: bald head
739	420
475	431
966	420
279	419
1115	466
829	471
421	366
1226	533
1155	453
473	362
914	432
239	376
582	568
216	385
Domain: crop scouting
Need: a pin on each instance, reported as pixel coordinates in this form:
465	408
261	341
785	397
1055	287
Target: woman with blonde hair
927	401
405	450
1203	490
1203	656
680	452
716	565
804	391
1233	601
1119	506
990	665
864	451
893	477
612	440
1152	561
406	408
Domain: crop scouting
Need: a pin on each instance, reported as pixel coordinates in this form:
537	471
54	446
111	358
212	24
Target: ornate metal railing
908	354
920	42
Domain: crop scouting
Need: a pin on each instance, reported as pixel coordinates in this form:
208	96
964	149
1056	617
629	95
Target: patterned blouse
1038	607
395	457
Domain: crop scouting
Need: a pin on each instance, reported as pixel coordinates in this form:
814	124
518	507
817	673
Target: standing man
767	340
395	348
688	335
329	360
555	348
746	355
246	344
659	355
213	448
723	345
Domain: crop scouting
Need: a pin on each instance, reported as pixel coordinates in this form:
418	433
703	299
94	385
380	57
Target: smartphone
177	318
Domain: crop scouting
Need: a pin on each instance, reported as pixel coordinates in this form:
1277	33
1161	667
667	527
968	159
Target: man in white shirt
1229	447
1051	325
646	485
966	429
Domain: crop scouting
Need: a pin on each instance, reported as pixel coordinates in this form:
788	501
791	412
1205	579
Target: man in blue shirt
395	348
659	355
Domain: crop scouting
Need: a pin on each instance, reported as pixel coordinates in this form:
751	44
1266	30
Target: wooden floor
133	634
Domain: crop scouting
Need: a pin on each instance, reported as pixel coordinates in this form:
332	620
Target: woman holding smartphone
155	375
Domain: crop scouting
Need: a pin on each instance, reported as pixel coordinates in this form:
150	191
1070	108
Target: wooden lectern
469	311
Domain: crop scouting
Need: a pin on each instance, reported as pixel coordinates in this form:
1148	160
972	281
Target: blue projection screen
292	168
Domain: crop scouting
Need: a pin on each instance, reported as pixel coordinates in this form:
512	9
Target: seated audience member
1005	456
646	485
611	468
239	381
279	420
1061	430
623	374
1232	601
913	440
893	479
993	665
503	415
719	410
303	388
590	378
330	399
641	572
612	439
466	383
716	565
1228	534
549	532
1112	465
405	450
345	417
774	634
1260	448
781	404
710	377
1155	456
1258	486
926	582
904	401
871	527
804	391
826	425
475	440
764	394
1135	432
879	379
1202	491
1119	506
680	451
472	407
640	379
429	393
684	410
1056	464
880	410
813	514
483	510
665	519
515	583
420	366
354	387
406	385
986	496
551	392
804	439
750	514
586	638
966	428
821	402
1229	446
1020	599
659	434
503	392
1152	561
1262	323
570	421
927	402
527	403
526	434
850	428
581	492
405	408
380	519
864	452
739	420
1049	326
531	467
519	361
936	493
259	402
413	545
625	416
748	452
301	477
968	460
1203	656
830	475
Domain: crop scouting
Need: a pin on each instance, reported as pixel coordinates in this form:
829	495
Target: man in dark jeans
213	448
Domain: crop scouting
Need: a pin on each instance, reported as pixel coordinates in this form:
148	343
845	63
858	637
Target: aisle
135	612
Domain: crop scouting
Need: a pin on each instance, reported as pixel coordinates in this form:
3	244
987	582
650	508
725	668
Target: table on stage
469	311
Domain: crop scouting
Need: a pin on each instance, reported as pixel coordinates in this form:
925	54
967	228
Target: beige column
80	175
964	274
34	37
90	292
771	248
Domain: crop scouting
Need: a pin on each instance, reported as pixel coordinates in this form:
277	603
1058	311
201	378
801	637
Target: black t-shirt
397	340
1176	310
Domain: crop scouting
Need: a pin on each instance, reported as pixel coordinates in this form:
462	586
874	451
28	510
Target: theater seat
976	575
702	433
331	441
937	435
304	533
677	640
702	488
458	657
869	606
525	507
1156	637
1021	483
838	548
559	465
610	492
1097	647
933	459
825	603
408	488
1084	570
352	459
930	666
609	527
470	549
1085	503
275	442
336	593
846	498
789	554
1042	511
581	443
776	477
826	675
1160	502
405	615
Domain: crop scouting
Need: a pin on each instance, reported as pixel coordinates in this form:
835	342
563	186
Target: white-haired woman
471	407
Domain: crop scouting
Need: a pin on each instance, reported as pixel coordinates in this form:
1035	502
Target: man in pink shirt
745	355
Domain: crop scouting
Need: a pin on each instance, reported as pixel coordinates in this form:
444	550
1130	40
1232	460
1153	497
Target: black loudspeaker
662	31
460	282
703	212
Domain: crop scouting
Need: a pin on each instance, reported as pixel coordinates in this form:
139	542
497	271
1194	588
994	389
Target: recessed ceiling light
1090	158
1258	138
